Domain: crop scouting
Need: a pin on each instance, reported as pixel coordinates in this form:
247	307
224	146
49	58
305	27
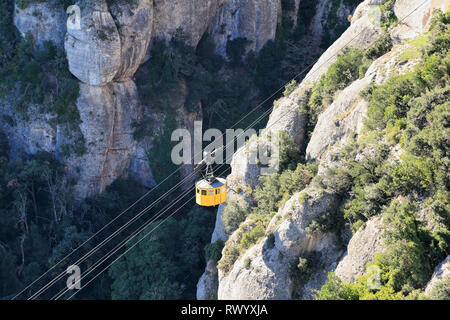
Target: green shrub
230	255
278	188
251	237
289	152
304	267
247	263
441	290
409	247
290	87
213	251
390	101
335	289
236	49
331	221
388	17
233	215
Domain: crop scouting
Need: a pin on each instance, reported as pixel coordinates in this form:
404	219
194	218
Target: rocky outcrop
104	54
362	248
442	271
94	50
361	34
208	283
219	228
193	17
27	136
107	114
287	115
416	16
46	21
345	116
268	275
262	272
107	49
135	24
342	118
253	20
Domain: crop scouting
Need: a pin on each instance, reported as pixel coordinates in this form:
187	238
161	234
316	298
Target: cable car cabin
210	194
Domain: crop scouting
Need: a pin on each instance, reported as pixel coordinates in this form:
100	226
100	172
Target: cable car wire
107	256
135	218
129	239
188	177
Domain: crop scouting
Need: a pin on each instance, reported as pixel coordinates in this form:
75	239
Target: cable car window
218	191
211	193
203	192
198	190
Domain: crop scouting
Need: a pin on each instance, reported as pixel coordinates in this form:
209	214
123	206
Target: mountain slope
364	160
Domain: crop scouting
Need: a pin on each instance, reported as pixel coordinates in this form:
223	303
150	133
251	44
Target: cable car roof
204	184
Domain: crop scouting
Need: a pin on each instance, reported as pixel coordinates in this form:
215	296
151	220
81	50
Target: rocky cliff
287	252
263	270
104	54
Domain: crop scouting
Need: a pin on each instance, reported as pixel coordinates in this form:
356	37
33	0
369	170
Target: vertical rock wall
251	19
105	53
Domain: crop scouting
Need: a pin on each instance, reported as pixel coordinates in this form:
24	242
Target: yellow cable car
210	191
209	194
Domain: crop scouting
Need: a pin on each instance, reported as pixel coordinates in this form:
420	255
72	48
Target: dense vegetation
273	191
39	223
410	191
33	74
411	111
39	226
351	64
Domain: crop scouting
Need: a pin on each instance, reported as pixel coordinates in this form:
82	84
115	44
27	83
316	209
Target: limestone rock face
361	33
27	136
107	114
193	17
343	117
368	7
251	19
46	21
268	277
442	271
94	51
219	228
415	16
362	248
287	116
346	114
244	167
135	24
207	285
140	168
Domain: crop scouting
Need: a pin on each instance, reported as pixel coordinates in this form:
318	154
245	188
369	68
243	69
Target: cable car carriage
211	191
